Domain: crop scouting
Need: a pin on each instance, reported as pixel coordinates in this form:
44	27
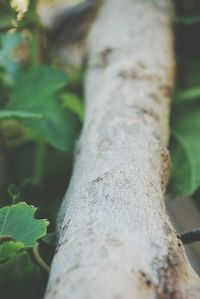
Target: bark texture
115	240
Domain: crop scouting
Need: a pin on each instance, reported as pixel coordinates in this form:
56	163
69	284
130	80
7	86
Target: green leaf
37	85
185	149
9	249
20	278
18	222
35	92
73	103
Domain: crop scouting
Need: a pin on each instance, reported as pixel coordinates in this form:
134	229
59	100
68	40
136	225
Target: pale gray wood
116	241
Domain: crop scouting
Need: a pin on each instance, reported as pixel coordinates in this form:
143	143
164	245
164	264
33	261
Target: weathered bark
116	240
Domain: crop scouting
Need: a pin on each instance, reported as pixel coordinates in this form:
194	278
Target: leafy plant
40	117
185	148
185	141
19	231
56	126
18	273
17	223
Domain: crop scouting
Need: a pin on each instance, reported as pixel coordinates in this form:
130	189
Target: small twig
190	236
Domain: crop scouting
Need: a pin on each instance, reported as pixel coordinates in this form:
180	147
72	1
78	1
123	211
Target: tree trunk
116	241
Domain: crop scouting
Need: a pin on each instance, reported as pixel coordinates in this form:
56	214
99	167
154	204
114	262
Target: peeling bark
115	239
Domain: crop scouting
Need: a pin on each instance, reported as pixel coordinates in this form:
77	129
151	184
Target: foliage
19	230
18	273
40	117
26	229
185	141
55	124
186	148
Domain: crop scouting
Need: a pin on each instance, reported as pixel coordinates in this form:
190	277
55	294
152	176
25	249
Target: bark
115	240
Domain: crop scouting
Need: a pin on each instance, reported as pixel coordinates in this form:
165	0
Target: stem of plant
39	259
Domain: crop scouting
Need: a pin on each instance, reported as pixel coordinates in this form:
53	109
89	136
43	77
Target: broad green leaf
9	249
35	92
33	88
185	149
20	278
73	103
18	222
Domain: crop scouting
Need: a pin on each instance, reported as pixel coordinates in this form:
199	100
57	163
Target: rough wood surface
116	241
